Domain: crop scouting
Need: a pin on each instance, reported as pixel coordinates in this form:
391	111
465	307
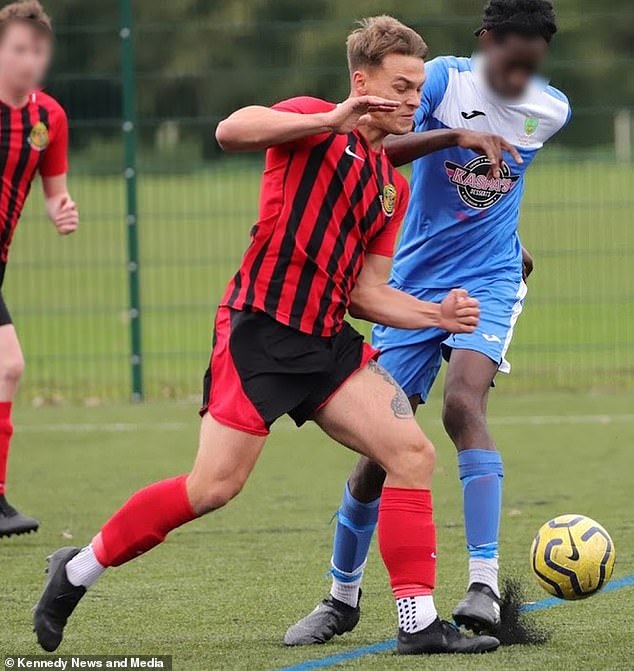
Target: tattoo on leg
400	403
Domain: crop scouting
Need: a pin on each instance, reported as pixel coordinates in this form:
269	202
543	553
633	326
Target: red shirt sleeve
383	243
55	159
305	105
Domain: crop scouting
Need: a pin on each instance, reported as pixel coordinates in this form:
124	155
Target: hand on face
357	111
399	79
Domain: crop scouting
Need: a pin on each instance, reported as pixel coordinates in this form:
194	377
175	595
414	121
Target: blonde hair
29	12
378	36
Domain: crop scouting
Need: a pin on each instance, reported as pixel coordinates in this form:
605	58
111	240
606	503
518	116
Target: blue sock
356	522
481	473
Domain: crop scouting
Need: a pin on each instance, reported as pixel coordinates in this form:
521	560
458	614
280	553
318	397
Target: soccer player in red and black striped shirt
330	208
33	139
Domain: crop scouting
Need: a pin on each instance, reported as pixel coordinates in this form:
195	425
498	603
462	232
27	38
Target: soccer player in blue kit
481	122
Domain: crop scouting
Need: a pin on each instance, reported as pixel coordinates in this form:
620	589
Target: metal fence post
130	143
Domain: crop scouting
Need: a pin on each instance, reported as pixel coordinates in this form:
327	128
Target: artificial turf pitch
220	593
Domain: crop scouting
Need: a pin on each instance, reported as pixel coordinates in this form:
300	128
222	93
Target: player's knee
366	481
412	462
11	368
461	409
212	495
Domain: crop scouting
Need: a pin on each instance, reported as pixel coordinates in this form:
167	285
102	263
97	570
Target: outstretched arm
256	128
374	300
403	149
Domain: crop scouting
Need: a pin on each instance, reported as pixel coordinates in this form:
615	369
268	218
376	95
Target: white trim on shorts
505	366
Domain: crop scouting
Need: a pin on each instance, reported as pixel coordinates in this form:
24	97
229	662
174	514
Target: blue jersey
461	227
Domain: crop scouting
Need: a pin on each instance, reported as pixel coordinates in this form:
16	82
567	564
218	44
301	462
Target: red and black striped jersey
326	201
33	138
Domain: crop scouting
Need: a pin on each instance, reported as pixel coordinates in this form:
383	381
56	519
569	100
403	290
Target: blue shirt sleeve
433	91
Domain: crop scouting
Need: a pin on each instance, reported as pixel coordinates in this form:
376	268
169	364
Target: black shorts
261	369
5	317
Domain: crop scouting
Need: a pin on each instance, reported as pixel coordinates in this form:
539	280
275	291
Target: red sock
407	540
143	522
6	431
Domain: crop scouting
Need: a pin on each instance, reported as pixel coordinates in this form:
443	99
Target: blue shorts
414	358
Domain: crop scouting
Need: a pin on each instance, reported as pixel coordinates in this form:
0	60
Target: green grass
220	593
69	296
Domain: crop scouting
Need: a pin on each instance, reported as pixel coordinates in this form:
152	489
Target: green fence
71	297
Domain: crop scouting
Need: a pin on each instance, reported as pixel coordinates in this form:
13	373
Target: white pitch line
123	427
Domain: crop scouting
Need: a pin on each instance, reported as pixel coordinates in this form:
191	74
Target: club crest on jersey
475	187
531	124
38	138
388	199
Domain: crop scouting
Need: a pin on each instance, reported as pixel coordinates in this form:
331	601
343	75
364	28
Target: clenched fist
64	214
459	313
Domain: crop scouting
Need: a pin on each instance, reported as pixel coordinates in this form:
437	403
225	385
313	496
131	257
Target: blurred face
25	54
398	78
511	61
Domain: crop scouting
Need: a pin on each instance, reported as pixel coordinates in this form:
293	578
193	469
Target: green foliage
199	60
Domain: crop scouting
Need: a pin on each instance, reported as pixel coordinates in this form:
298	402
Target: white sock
484	571
415	613
348	592
83	568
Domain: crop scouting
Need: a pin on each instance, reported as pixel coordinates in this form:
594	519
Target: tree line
199	59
